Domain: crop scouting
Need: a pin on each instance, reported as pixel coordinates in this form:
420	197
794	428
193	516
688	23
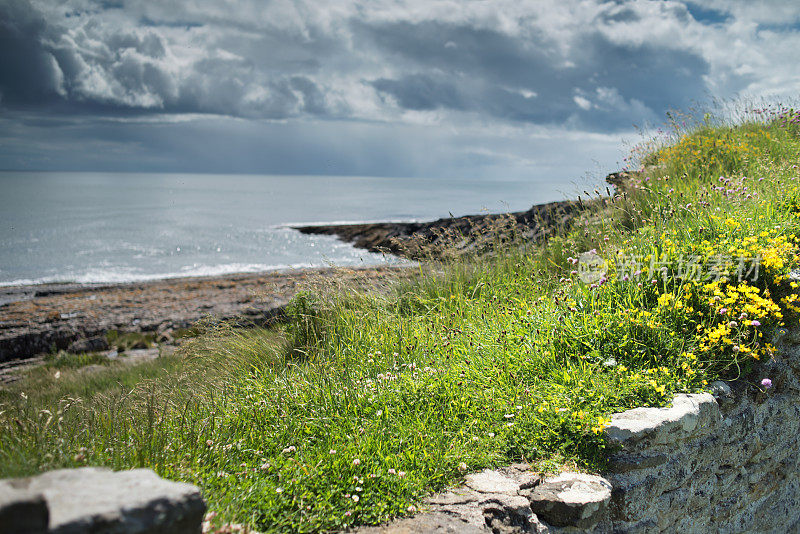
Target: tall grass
367	402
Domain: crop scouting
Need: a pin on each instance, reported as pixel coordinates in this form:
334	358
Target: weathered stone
722	392
506	514
571	499
22	511
664	425
491	482
434	523
453	498
97	500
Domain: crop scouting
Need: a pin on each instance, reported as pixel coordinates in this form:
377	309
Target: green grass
365	403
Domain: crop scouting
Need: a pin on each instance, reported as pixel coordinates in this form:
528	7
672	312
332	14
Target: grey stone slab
94	500
571	499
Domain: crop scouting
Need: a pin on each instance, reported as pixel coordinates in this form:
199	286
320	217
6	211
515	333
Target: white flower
355	498
356	462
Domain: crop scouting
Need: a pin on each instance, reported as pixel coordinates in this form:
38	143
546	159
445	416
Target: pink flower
766	383
356	462
755	323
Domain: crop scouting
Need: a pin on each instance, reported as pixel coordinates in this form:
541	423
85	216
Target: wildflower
766	383
355	498
401	474
462	467
289	449
755	323
348	513
391	471
332	451
356	462
278	490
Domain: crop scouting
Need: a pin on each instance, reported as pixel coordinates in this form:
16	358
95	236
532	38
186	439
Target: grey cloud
584	65
422	92
29	73
489	72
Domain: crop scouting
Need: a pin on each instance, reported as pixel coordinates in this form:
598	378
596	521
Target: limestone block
433	523
93	500
688	415
571	499
491	482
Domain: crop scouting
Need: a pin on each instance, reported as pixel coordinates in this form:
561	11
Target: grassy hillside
364	403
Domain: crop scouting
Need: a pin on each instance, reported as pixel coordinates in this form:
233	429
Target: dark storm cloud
507	68
29	73
491	73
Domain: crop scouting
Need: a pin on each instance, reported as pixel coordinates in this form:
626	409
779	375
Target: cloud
582	65
28	73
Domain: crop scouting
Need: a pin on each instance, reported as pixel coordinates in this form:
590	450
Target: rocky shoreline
39	319
75	317
456	234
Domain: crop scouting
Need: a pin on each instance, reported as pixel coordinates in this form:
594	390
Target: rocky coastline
77	318
39	319
457	234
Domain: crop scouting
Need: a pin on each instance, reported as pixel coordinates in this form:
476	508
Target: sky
427	88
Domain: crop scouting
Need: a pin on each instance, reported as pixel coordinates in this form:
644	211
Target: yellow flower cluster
708	152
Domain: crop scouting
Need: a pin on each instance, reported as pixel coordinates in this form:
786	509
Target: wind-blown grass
368	402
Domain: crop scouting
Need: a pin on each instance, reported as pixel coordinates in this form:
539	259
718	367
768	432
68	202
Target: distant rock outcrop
415	239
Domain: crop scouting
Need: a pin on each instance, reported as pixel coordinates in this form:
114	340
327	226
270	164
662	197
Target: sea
125	227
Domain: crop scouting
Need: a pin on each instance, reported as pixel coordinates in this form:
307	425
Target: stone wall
725	461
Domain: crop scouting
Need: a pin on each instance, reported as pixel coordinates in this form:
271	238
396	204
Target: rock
92	344
688	414
461	234
94	500
434	523
571	499
507	514
22	511
491	482
722	392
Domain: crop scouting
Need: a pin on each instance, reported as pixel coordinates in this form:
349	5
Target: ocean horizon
101	227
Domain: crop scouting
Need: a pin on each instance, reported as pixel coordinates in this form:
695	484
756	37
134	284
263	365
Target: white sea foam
121	276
